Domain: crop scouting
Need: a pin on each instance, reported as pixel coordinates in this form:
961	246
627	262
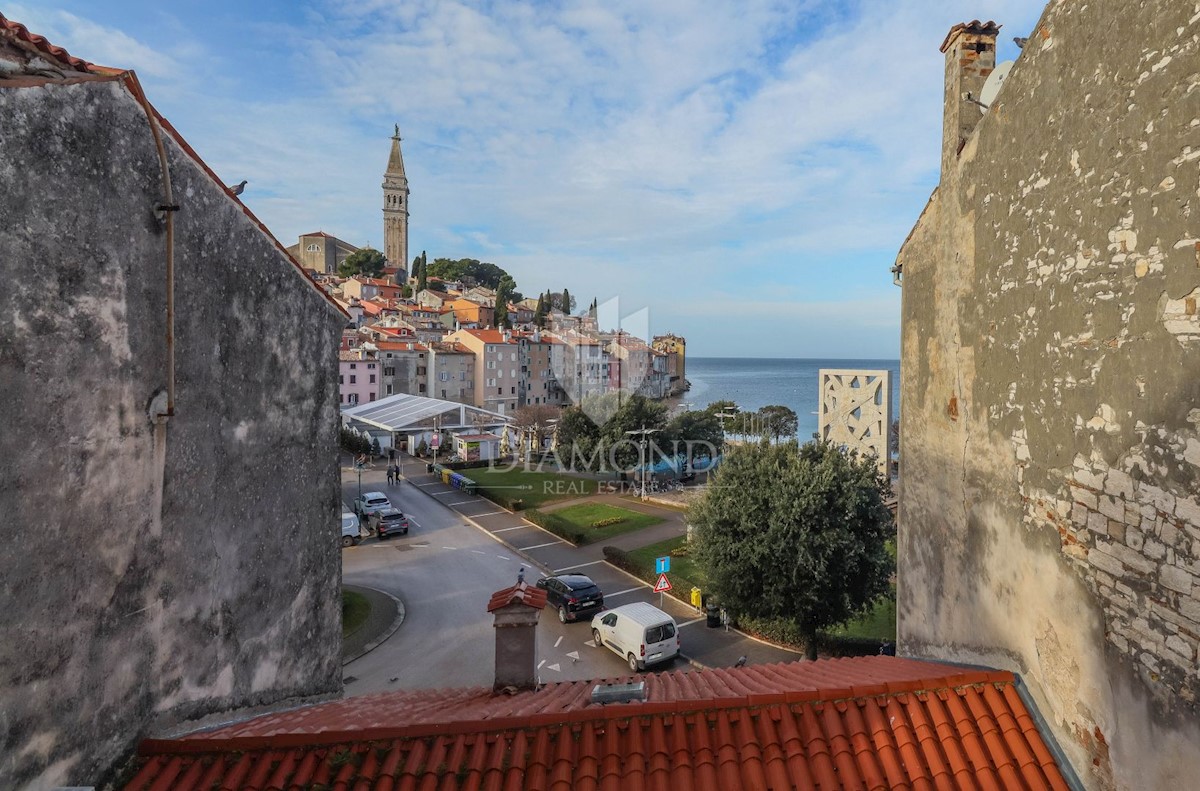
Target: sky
745	172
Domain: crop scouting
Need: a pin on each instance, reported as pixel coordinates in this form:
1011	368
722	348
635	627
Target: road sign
662	565
663	584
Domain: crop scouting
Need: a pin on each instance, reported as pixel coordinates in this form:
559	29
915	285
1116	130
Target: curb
391	630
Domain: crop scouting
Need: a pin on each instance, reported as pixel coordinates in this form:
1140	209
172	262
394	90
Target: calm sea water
756	383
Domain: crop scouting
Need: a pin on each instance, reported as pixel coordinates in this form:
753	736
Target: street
448	566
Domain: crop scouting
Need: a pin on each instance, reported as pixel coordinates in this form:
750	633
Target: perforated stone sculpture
856	411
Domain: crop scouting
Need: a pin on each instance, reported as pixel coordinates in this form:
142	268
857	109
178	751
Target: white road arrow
554	667
574	655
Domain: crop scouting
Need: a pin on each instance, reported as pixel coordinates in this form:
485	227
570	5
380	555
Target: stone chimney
516	616
970	49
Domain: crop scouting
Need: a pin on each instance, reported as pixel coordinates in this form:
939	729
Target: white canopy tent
411	419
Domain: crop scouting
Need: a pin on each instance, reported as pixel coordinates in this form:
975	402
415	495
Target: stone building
149	427
1049	516
395	207
321	252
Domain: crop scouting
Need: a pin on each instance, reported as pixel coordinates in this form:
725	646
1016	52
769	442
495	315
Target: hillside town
411	334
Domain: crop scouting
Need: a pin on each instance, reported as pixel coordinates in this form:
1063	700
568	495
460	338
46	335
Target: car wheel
633	663
347	541
562	614
596	637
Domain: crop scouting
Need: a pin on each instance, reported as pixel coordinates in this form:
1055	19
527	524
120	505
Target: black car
573	594
389	522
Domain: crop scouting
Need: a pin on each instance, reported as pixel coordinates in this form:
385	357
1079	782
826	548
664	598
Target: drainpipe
167	207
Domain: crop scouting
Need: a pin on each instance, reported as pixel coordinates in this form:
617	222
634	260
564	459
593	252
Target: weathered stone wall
150	575
1050	506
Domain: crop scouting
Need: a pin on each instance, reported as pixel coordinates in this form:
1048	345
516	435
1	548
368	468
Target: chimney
516	616
970	49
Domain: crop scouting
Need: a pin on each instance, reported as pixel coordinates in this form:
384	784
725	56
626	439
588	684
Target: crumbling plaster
1050	460
151	574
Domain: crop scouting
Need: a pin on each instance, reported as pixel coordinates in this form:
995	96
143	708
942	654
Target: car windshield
656	634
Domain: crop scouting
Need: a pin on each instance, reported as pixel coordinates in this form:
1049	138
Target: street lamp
644	433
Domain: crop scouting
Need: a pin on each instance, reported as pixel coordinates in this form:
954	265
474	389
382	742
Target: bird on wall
237	189
1020	41
741	661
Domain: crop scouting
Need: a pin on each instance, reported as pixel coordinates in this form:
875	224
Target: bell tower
395	207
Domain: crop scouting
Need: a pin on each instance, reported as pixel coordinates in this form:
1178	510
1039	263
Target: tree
795	532
504	292
363	261
635	413
533	423
702	429
568	304
717	407
539	314
423	278
575	437
777	421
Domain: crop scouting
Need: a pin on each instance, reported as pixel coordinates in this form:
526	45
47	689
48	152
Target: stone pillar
970	49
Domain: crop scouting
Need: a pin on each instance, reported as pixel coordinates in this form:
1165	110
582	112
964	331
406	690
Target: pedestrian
390	477
396	473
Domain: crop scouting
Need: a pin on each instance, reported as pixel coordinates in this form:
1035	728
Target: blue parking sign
662	565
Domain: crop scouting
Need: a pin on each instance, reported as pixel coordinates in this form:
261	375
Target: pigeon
521	575
1020	41
236	189
741	661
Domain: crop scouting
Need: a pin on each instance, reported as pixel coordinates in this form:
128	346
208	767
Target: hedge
500	497
558	526
779	631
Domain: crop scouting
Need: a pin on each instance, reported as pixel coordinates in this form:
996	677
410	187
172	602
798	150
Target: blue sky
746	171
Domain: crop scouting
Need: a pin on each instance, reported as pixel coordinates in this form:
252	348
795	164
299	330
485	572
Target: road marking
694	620
574	655
554	667
539	546
440	494
576	566
425	544
539	667
489	513
627	590
431	483
558	641
462	502
449	547
504	557
478	551
506	529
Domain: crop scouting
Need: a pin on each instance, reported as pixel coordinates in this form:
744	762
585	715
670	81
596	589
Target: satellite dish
995	82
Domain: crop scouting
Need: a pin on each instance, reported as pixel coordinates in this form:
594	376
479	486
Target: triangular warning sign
663	585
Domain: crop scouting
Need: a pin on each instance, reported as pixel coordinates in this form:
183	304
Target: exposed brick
1176	579
1120	484
1169	534
1097	522
1116	530
1085	497
1079	514
1160	499
1134	538
1188	511
1190	609
1112	508
1131	558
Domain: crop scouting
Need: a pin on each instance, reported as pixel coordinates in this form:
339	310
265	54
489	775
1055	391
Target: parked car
639	633
573	595
369	503
388	522
351	531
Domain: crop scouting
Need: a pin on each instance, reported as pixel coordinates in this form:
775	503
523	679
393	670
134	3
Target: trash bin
712	616
697	601
429	467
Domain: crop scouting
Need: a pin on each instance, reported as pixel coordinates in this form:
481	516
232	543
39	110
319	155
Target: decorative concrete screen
856	411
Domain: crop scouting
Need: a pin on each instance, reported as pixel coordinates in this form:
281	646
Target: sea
757	382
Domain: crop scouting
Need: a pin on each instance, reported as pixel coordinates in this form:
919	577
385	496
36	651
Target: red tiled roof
867	722
16	30
974	27
488	336
521	592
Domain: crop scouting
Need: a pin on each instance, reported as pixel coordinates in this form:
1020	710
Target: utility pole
643	433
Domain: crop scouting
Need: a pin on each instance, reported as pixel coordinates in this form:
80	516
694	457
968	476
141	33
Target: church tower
395	208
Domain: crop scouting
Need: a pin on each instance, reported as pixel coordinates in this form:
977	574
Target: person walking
391	478
396	474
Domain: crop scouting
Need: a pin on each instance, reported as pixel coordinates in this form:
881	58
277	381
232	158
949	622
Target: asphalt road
461	549
445	571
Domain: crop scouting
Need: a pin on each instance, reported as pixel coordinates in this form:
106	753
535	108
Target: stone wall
151	574
1050	453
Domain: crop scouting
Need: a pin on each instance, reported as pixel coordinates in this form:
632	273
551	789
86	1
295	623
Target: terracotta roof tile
522	592
907	724
973	27
16	30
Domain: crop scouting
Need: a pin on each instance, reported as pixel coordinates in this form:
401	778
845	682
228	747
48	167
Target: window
491	365
389	389
352	398
389	371
445	377
352	377
372	380
314	248
421	388
491	383
514	357
499	391
341	379
370	366
514	391
420	370
370	396
513	373
353	366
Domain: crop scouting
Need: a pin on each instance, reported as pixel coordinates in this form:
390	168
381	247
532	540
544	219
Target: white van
350	529
639	633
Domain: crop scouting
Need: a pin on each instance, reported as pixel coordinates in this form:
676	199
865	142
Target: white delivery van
350	529
639	633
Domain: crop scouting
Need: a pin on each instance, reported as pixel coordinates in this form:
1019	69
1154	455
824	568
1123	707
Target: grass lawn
682	564
584	514
355	609
879	624
537	487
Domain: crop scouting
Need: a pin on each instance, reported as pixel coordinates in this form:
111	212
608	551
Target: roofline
607	713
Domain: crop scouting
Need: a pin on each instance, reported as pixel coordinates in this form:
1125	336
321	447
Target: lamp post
643	433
